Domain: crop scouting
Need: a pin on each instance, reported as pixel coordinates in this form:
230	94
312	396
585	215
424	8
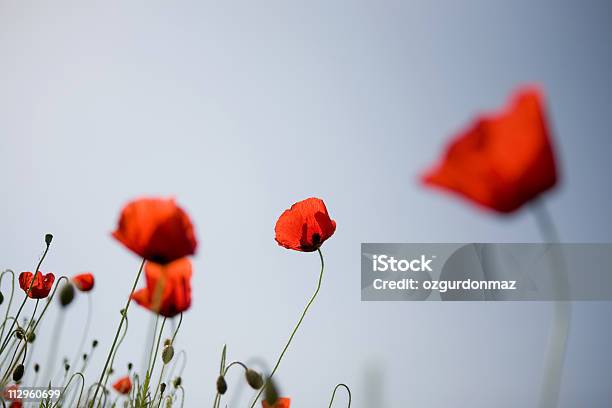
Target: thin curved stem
161	332
180	387
295	329
348	390
66	388
153	340
177	328
112	362
10	302
123	316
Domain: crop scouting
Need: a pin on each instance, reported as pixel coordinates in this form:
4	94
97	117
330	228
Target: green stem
123	315
562	313
161	375
295	329
161	332
153	340
348	390
10	302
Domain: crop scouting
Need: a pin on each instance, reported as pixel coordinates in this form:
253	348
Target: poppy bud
221	385
84	356
48	239
31	337
122	312
254	379
19	333
271	394
1	298
36	367
167	342
162	388
130	365
167	354
177	382
94	344
66	294
66	366
18	373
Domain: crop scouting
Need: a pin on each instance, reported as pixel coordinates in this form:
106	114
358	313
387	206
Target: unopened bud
162	388
36	367
84	356
19	333
177	382
31	337
66	294
254	379
221	385
18	372
270	392
67	367
167	354
130	365
94	344
48	239
167	342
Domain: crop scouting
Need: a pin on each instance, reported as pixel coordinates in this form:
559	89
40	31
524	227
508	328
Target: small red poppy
40	287
123	385
16	404
280	403
10	393
304	226
84	281
502	160
156	229
168	290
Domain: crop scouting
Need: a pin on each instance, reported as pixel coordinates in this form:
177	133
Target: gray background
239	110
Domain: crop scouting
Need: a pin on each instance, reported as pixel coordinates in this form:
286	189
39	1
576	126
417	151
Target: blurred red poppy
16	404
502	160
40	287
123	385
304	226
84	281
168	290
280	403
156	229
10	393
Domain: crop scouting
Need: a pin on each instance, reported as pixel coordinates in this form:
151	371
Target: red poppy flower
84	281
156	229
10	393
41	286
123	385
168	290
502	160
280	403
304	226
16	404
